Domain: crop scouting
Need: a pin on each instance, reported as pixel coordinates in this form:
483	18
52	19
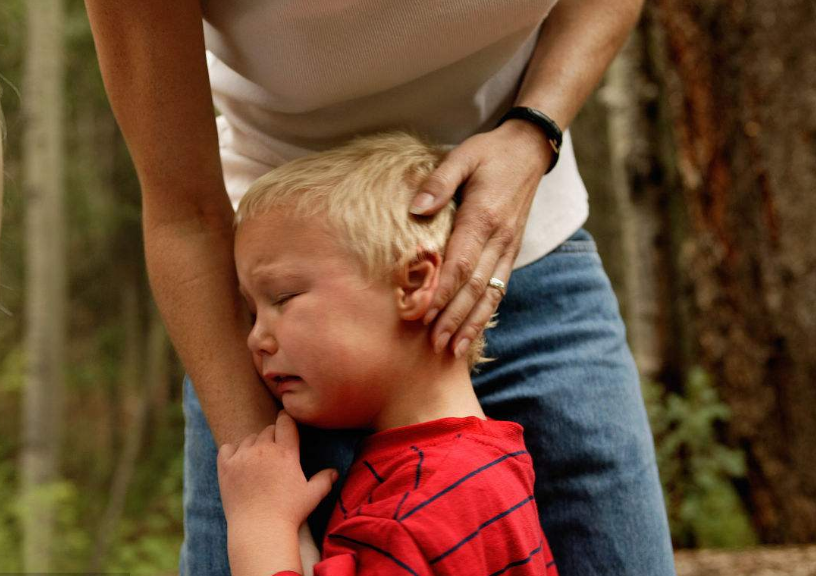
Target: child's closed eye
283	299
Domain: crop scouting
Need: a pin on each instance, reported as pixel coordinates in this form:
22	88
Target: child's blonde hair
364	189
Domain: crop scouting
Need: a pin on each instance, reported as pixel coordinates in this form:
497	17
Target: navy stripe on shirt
374	472
460	481
416	481
419	466
396	512
520	562
342	506
481	527
385	553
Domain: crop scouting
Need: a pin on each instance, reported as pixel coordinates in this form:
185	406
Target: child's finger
286	432
320	484
226	451
267	434
248	441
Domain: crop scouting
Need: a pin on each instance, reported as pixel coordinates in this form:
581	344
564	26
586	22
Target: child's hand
262	483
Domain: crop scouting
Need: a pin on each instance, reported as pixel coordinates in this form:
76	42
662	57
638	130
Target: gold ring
498	285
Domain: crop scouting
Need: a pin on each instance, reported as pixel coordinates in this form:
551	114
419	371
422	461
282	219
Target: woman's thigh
563	370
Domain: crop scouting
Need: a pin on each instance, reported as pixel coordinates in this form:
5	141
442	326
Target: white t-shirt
292	77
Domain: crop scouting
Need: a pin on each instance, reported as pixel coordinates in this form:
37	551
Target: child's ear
416	284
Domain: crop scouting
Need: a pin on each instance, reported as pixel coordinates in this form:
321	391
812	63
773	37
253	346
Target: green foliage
150	536
9	527
71	540
103	251
696	467
12	370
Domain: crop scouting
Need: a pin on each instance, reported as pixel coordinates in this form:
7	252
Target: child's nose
261	340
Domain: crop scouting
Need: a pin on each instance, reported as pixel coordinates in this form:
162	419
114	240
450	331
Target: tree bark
640	178
2	176
743	86
623	90
135	393
46	286
626	151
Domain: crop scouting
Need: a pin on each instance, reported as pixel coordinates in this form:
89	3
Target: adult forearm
192	275
152	59
578	41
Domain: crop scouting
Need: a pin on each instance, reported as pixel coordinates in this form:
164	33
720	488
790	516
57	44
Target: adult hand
500	171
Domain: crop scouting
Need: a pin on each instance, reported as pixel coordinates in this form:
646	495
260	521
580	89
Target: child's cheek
258	363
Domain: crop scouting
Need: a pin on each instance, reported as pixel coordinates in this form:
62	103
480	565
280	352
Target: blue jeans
564	372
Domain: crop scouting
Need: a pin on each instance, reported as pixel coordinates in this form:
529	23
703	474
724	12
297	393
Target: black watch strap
547	125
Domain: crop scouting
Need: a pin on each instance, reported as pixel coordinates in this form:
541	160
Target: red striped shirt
452	496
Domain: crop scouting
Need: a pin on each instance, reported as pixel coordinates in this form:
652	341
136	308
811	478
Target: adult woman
291	77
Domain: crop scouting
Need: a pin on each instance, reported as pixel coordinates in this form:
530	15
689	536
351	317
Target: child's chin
301	413
318	418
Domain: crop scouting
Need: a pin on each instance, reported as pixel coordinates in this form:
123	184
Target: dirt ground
770	561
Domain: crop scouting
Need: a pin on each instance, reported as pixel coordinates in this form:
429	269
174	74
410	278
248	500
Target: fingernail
462	347
441	342
430	316
422	203
334	476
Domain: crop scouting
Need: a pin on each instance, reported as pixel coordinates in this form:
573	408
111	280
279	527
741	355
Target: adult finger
286	432
471	292
472	229
484	309
441	185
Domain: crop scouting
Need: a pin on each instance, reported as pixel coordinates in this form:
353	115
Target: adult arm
503	167
151	54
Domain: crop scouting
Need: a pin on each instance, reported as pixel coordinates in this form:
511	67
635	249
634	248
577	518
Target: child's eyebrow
275	274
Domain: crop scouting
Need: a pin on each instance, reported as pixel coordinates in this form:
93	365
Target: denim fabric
563	370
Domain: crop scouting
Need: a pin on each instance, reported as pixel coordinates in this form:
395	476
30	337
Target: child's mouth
284	384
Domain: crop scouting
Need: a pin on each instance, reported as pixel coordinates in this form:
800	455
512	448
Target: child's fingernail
462	347
430	316
334	476
441	342
422	203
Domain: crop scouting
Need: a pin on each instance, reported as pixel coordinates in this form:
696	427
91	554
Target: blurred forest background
699	152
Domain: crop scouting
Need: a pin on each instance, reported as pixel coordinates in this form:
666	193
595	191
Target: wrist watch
544	122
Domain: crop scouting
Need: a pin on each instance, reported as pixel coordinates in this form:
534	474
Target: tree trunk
2	175
626	152
622	93
45	283
744	108
135	393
